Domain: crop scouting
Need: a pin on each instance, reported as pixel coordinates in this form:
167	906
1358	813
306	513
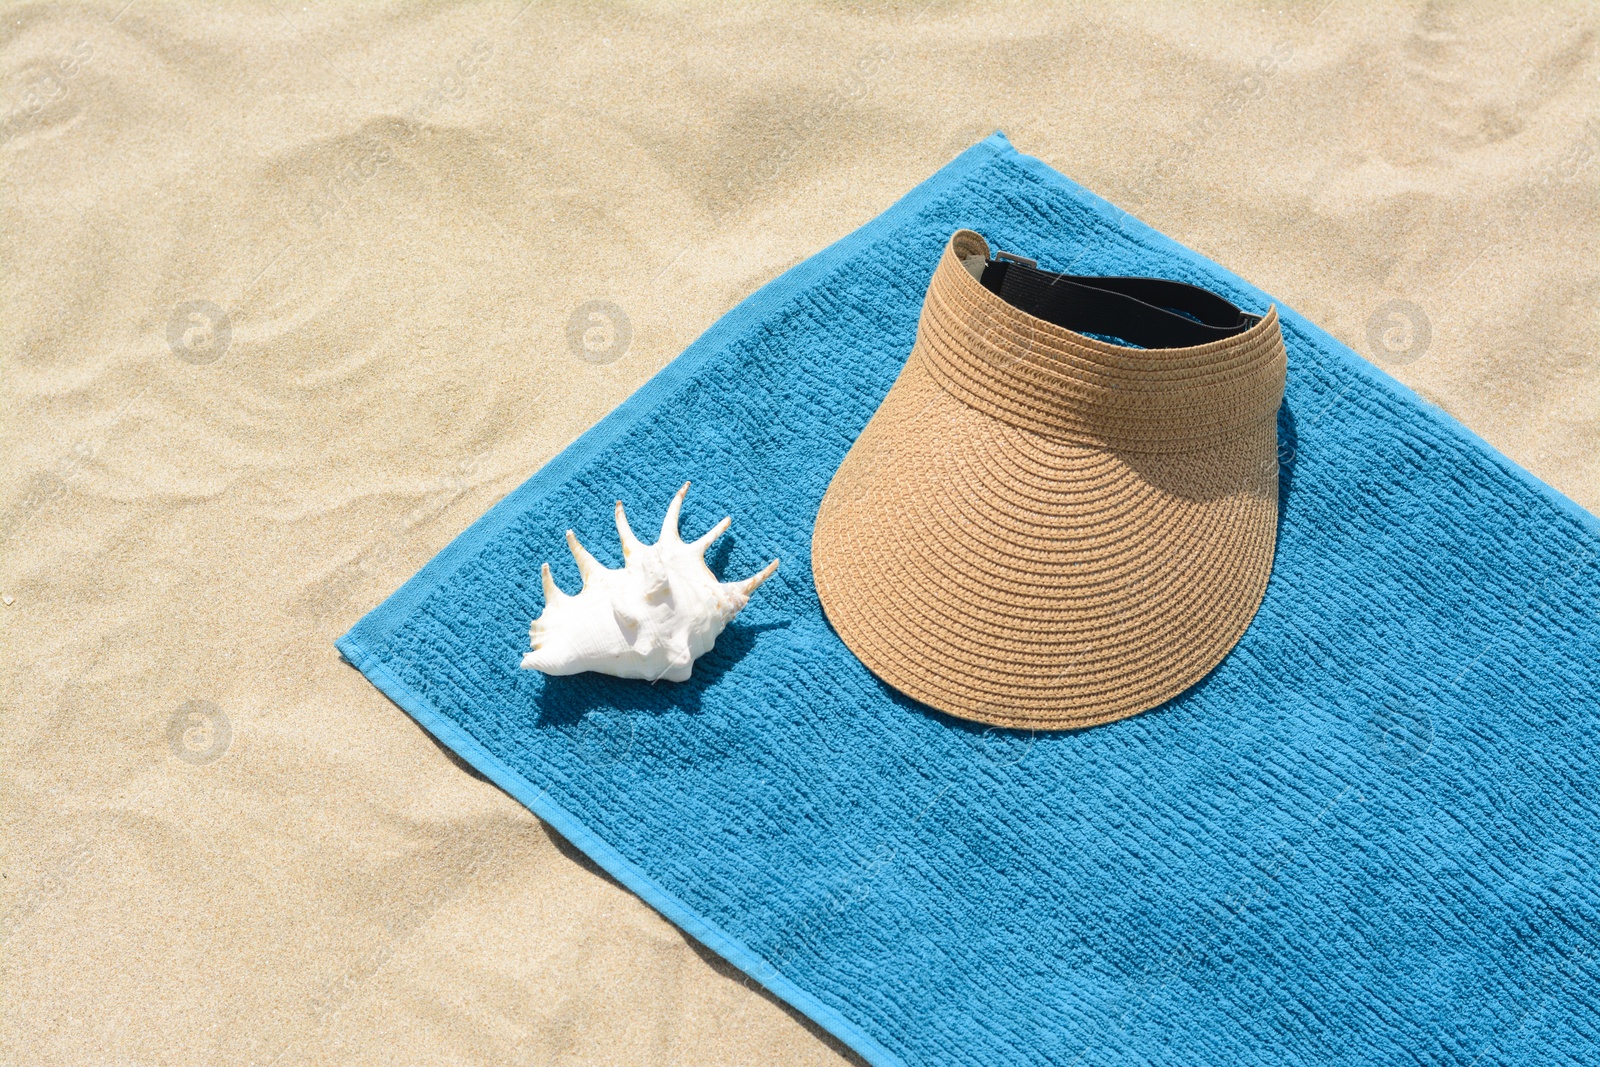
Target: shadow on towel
565	700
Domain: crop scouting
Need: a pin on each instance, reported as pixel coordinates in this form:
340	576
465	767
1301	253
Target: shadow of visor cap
1039	529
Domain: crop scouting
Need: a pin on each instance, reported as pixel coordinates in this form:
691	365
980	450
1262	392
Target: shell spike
669	525
588	566
704	541
649	619
752	583
625	533
552	591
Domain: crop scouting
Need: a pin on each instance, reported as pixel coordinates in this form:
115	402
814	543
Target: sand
287	301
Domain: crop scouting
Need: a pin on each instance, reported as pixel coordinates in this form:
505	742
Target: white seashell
651	619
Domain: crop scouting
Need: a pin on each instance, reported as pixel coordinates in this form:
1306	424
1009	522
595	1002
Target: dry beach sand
286	305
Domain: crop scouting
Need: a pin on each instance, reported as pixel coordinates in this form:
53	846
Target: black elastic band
1148	312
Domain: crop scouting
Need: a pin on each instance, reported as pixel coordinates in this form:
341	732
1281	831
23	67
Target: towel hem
610	859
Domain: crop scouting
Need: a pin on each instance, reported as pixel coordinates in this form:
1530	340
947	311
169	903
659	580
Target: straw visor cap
1038	529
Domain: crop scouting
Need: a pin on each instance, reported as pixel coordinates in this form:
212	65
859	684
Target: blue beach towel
1369	836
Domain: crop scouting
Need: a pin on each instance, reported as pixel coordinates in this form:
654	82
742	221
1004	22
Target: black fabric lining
1145	312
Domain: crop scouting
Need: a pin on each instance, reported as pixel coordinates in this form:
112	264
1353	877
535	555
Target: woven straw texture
1039	529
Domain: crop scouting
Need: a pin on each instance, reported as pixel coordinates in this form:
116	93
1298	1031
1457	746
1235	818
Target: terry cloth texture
1039	529
1367	836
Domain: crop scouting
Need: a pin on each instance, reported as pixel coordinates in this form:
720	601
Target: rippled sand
294	293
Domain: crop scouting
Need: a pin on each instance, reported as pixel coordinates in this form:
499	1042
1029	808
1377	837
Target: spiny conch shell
650	619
